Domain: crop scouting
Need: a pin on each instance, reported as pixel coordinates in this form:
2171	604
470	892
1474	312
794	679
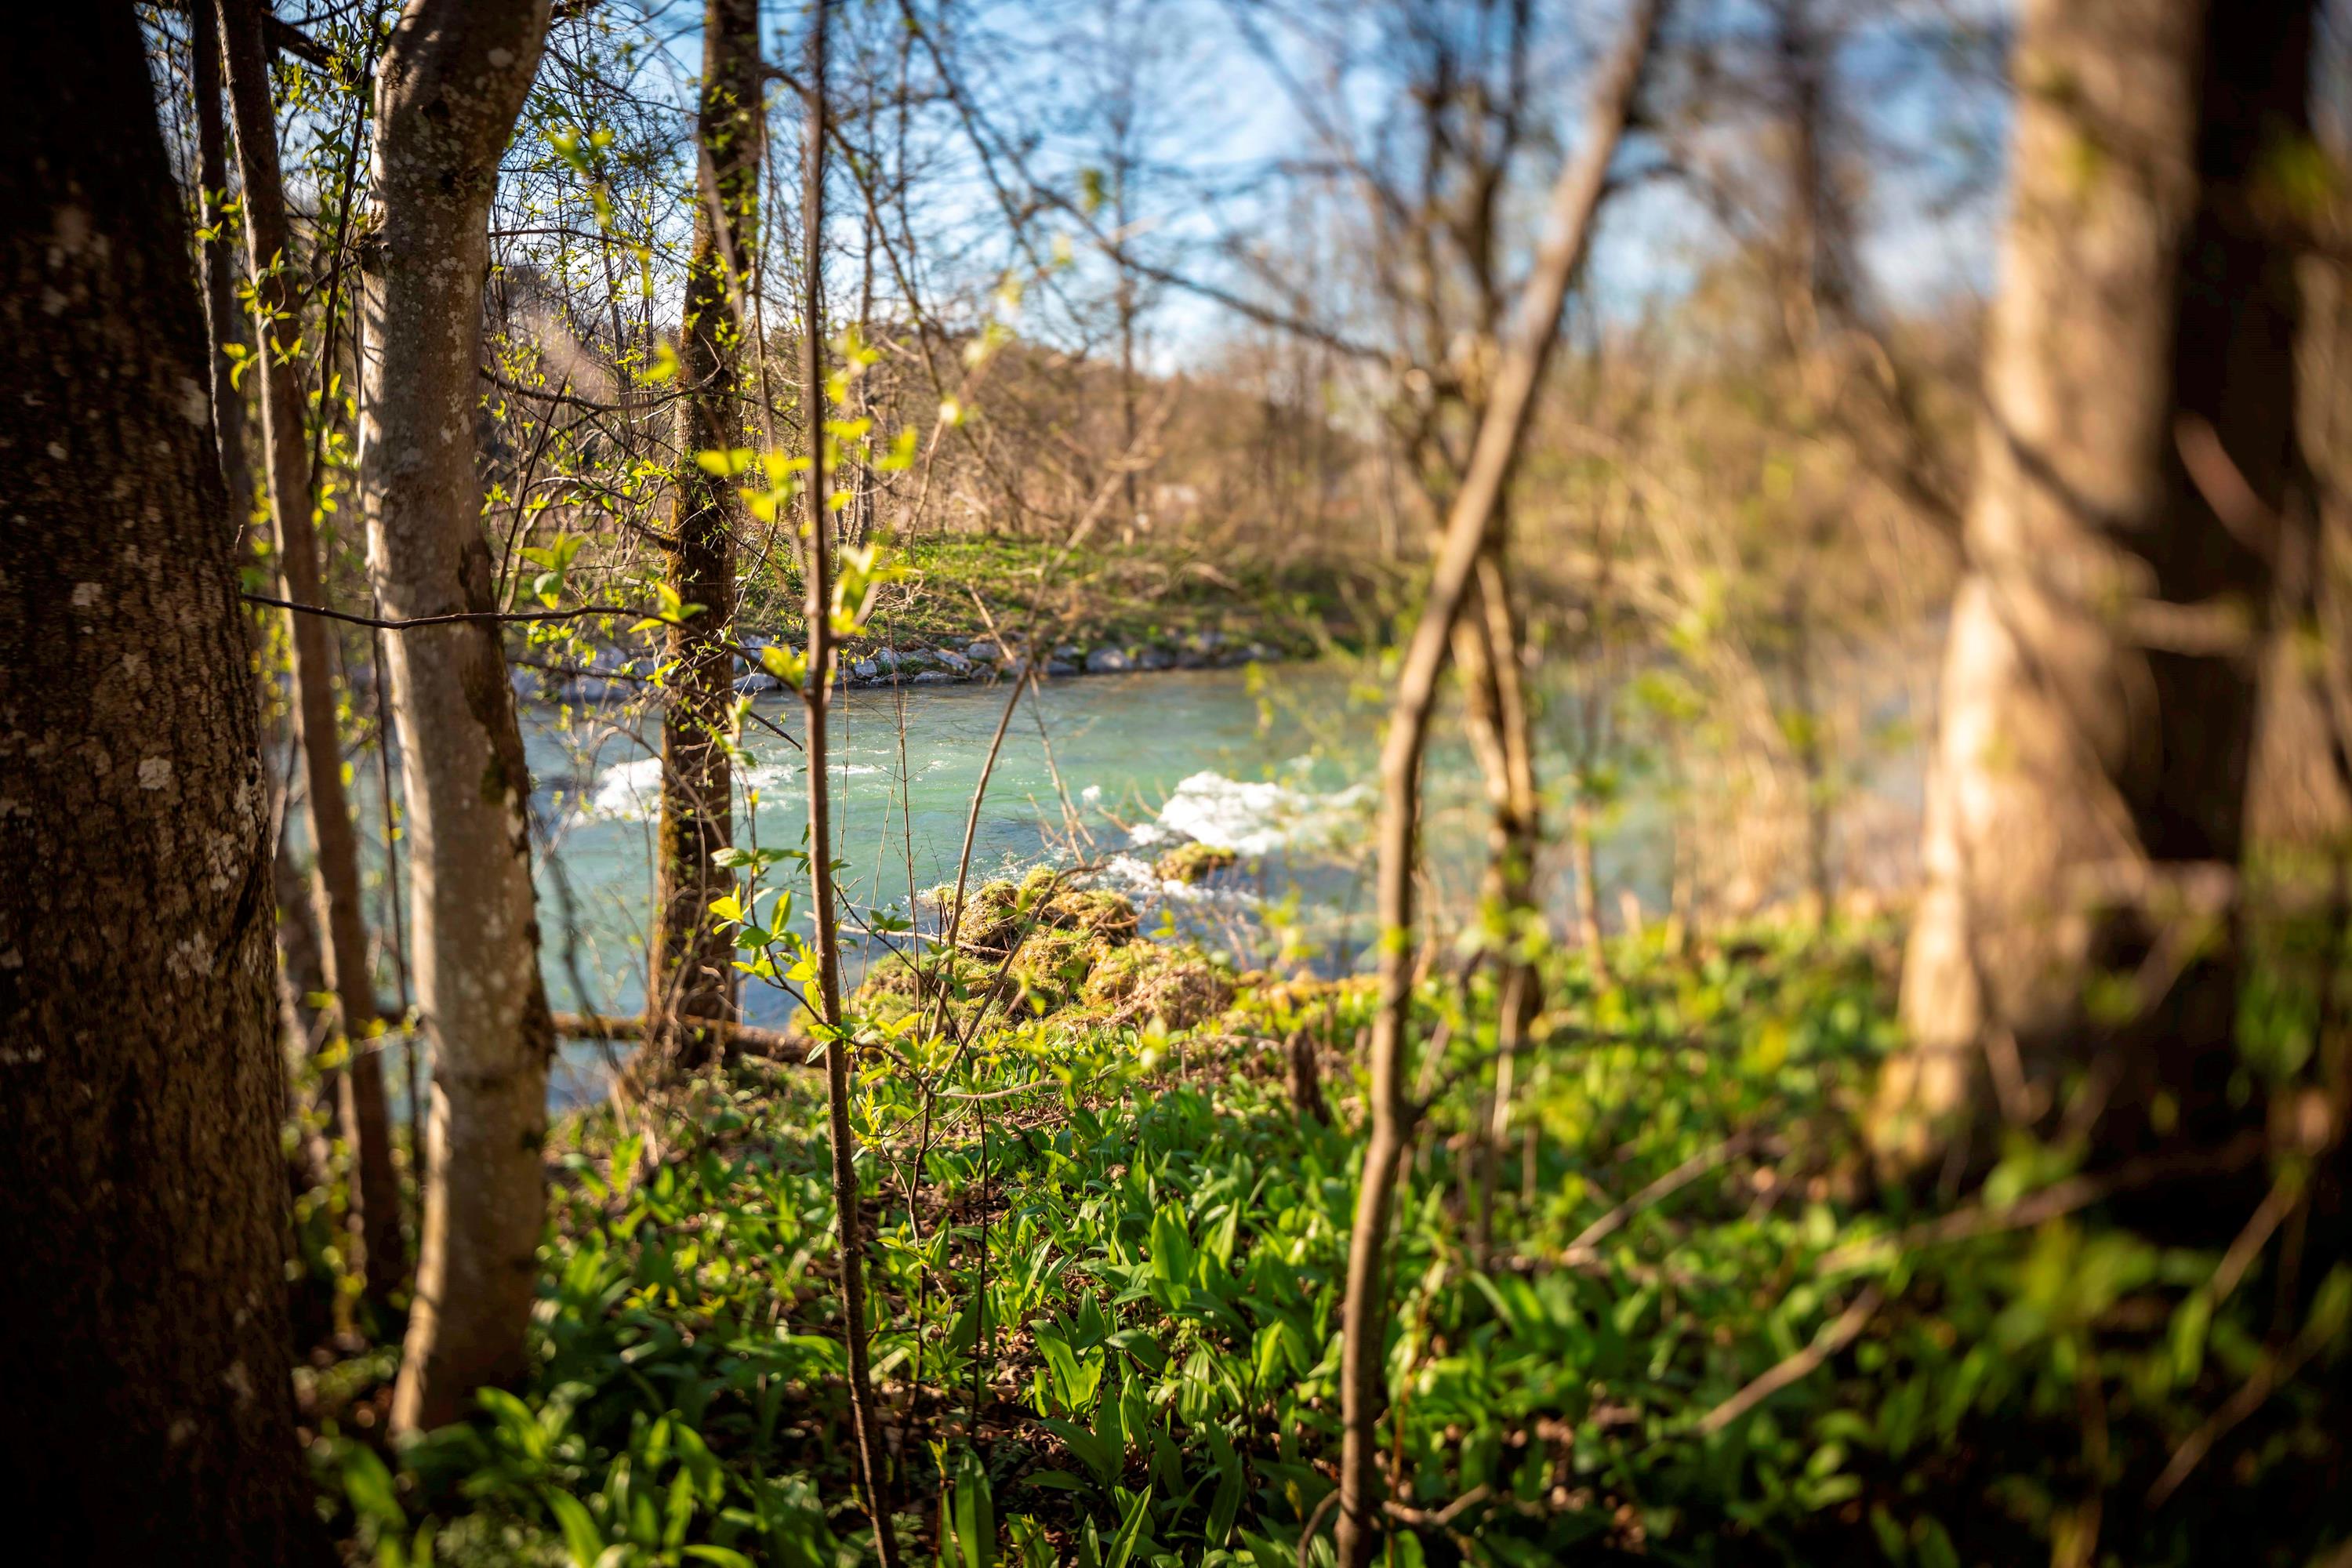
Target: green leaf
974	1512
1142	1345
581	1536
727	464
369	1486
1227	1505
1130	1526
786	664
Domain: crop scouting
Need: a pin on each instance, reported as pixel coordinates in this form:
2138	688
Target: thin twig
1674	1181
2263	1381
1827	1343
2058	1198
457	617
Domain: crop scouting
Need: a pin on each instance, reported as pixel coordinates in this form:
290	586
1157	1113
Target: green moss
1176	984
1195	862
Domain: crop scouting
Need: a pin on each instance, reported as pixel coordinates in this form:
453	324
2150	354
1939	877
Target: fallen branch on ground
775	1044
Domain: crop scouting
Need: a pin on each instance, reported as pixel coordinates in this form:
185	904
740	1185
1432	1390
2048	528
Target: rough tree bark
693	973
871	1460
151	1405
1365	1317
447	93
2099	687
365	1117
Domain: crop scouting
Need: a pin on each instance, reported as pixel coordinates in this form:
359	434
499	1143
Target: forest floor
1106	1296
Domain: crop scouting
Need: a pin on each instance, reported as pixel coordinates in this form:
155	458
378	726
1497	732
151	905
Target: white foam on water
626	792
767	778
1135	876
631	791
1256	817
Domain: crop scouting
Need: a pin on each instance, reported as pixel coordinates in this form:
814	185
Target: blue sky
1224	125
1220	129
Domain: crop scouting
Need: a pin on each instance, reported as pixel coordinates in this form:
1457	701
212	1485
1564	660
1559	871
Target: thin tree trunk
301	970
449	88
365	1121
816	686
411	1082
1587	871
692	962
1130	482
1486	650
141	1245
223	323
301	975
2083	771
1365	1320
1813	759
1307	1075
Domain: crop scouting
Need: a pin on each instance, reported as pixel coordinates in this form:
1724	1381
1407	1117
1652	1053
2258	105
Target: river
1275	765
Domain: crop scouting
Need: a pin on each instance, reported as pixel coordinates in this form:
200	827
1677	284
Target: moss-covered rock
1195	862
1108	917
992	918
1044	949
1052	966
1177	984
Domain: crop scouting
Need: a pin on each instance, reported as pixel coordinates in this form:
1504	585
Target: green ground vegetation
1101	596
1109	1259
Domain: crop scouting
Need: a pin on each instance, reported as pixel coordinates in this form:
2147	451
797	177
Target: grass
1106	596
1106	1306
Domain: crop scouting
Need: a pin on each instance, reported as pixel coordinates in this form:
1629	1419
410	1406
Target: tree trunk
301	976
224	323
1585	870
2092	761
1307	1075
142	1241
1365	1317
1807	722
1486	651
815	686
301	969
1130	482
693	972
366	1121
447	93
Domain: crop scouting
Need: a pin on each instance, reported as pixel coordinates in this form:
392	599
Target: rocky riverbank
608	672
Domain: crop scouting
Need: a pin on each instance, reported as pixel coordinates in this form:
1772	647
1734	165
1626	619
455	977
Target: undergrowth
1106	1291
